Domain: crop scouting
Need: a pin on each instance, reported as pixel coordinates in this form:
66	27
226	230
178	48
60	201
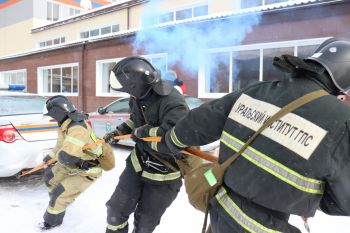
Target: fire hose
191	151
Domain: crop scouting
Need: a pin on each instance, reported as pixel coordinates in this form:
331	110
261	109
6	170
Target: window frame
52	40
99	28
52	10
260	47
40	77
99	72
24	71
173	11
263	3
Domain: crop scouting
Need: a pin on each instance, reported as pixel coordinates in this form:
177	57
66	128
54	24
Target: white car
26	136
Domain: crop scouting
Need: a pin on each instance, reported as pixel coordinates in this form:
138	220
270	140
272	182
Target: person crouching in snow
75	169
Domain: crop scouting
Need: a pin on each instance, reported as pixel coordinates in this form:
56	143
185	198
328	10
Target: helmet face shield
113	82
45	112
133	75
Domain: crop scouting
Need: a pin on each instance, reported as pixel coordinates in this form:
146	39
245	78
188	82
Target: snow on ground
23	202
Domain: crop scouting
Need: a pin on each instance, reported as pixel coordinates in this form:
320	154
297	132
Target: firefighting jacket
161	112
299	163
72	136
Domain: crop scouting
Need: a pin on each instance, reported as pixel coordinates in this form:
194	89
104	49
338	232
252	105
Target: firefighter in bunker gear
298	164
76	169
150	182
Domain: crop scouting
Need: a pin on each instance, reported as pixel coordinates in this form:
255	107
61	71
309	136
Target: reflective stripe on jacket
298	164
72	136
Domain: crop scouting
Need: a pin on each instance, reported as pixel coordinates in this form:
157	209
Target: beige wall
71	31
16	38
218	6
135	15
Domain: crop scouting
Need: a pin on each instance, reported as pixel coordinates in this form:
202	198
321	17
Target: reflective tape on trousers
51	210
273	167
161	177
239	216
117	227
135	162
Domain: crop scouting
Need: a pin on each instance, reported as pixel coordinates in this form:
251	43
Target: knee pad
48	175
55	193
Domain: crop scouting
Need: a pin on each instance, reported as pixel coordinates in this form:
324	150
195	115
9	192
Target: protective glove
46	158
142	131
164	147
109	137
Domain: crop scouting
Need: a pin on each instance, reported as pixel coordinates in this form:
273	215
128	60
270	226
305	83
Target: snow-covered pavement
23	202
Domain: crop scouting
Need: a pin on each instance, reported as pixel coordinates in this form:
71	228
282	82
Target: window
274	1
251	3
73	11
58	79
13	77
270	72
99	31
245	68
104	67
84	35
56	11
218	70
306	51
167	17
229	69
94	32
256	3
200	11
49	11
52	11
115	28
105	30
185	13
55	41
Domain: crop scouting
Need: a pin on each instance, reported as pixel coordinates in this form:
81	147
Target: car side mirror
101	110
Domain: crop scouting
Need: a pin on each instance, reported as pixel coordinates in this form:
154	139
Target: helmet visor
113	82
45	112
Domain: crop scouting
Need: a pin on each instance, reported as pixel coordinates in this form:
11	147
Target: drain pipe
81	98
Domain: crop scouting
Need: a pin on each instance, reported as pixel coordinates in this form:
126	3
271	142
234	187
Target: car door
110	116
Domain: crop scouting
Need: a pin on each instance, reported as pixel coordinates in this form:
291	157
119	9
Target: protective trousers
63	188
235	214
147	201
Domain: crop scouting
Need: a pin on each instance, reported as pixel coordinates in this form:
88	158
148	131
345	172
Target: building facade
215	47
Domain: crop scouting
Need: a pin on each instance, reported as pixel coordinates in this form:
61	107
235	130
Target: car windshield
18	105
193	102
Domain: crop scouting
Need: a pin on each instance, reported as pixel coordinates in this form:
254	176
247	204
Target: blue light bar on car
16	87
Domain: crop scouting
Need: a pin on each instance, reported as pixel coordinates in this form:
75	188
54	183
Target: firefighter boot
45	226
